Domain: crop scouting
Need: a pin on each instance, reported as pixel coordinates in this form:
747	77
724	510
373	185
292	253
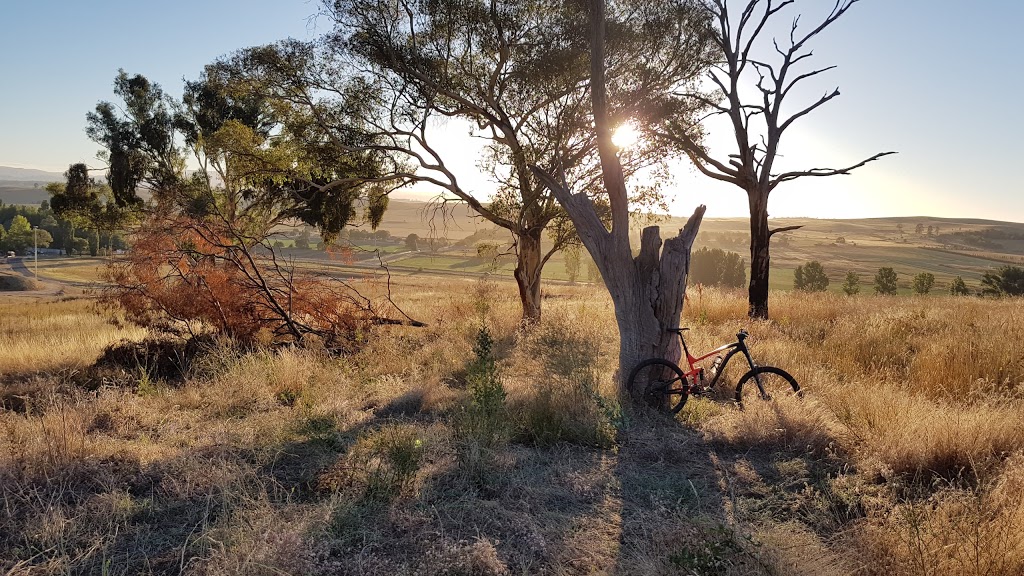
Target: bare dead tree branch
787	176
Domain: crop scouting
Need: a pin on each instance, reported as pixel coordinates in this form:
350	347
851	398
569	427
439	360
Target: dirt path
46	287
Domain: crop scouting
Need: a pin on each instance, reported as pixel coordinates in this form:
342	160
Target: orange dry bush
185	274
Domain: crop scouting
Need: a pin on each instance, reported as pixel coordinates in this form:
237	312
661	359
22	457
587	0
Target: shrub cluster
717	267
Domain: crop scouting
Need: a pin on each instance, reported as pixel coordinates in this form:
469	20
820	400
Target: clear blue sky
940	82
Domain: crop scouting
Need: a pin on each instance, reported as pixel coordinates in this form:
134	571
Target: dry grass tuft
954	531
55	335
787	423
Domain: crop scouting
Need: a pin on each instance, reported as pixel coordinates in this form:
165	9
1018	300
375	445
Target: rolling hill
11	174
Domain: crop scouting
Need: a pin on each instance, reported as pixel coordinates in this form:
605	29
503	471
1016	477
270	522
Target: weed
716	552
482	424
391	462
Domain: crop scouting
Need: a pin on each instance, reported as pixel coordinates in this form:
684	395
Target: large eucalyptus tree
515	74
647	288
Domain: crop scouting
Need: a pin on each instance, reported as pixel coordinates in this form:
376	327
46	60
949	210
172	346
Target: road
20	266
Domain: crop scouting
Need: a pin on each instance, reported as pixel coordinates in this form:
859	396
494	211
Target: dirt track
19	266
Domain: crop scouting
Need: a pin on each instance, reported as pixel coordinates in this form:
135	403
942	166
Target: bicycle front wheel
767	382
661	382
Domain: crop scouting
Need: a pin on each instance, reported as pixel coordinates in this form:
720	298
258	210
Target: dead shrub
185	273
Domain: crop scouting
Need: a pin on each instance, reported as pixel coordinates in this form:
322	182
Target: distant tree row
920	229
1004	281
54	230
717	267
18	236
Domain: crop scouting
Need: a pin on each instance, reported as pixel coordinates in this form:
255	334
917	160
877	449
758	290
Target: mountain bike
662	378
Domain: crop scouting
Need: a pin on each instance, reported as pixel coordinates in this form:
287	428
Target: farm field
958	247
868	244
904	457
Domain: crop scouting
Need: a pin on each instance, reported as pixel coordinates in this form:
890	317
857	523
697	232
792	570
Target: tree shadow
673	515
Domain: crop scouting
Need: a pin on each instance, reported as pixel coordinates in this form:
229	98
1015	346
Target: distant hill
10	174
23	193
25	185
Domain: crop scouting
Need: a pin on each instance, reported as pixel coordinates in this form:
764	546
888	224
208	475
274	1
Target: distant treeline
717	267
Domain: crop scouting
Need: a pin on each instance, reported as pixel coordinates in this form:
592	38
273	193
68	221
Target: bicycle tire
773	386
664	378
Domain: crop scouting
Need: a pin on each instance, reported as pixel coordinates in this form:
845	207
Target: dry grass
903	458
49	336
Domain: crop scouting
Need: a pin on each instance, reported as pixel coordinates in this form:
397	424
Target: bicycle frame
693	373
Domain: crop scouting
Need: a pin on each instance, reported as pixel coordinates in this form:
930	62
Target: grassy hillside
904	457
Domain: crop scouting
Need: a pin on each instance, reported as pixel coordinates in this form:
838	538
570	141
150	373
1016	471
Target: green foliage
923	282
571	253
19	226
482	424
138	138
852	284
513	74
1004	281
412	242
302	242
485	387
79	245
717	267
958	287
886	281
487	251
810	277
393	458
20	236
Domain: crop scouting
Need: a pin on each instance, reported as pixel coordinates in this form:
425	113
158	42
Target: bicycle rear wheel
662	382
774	383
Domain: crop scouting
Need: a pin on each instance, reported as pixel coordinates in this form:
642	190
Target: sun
625	135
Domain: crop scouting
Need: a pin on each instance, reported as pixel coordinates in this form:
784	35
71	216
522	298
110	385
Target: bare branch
774	231
787	176
579	206
821	102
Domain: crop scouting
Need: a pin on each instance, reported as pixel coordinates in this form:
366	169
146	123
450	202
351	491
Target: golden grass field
904	456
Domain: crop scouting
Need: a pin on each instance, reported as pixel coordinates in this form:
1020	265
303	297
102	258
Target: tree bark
760	237
529	262
647	293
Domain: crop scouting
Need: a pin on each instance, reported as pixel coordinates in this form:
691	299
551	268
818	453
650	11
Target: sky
939	82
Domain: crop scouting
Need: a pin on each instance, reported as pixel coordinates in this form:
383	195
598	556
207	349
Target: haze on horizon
948	107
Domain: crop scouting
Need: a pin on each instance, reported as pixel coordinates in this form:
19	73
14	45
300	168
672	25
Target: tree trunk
759	257
647	292
529	263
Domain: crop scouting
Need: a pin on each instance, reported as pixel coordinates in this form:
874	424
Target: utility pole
35	249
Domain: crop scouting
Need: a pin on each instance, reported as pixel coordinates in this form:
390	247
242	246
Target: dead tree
647	290
758	123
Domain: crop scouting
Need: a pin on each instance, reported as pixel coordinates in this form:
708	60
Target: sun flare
626	135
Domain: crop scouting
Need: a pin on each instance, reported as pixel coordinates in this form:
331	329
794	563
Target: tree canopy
513	74
1003	281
